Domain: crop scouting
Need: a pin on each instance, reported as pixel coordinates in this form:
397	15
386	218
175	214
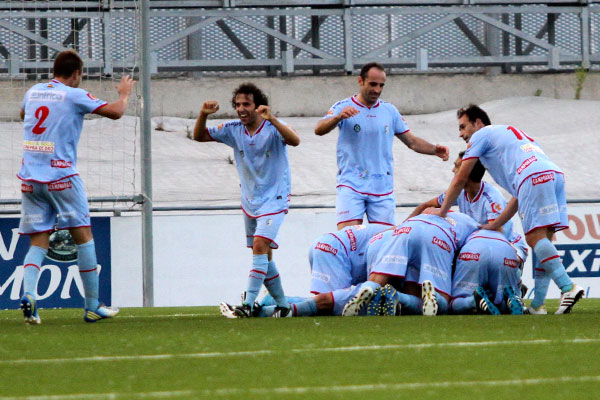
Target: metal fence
304	36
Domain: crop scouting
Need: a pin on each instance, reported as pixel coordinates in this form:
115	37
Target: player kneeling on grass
486	278
52	191
419	251
259	141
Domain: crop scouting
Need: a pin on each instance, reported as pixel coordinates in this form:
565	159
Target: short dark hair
473	112
259	98
66	63
478	170
364	71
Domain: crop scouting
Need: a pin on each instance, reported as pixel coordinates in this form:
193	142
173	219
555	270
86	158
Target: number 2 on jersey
41	114
519	133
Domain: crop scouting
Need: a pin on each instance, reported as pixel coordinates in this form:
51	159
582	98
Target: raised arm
326	125
458	183
289	135
117	109
423	206
200	131
422	146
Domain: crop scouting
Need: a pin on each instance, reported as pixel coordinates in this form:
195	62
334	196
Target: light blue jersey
509	155
53	120
486	206
262	164
364	149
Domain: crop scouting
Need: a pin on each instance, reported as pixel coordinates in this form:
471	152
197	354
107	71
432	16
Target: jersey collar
257	130
478	193
358	103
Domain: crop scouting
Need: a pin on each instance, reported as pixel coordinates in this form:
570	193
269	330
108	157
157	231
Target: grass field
194	353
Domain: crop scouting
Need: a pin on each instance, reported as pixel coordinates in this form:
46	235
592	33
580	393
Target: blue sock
550	262
260	266
413	305
463	305
266	311
307	308
442	304
88	270
542	282
273	285
32	265
371	284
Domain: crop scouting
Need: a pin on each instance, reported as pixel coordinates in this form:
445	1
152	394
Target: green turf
194	353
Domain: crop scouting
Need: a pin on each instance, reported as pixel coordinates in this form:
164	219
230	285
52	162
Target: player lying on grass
519	165
419	251
259	141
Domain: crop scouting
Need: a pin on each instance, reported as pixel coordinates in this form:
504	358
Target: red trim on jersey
358	103
477	196
315	293
386	274
468	158
556	227
540	269
257	130
270	240
402	133
487	237
33	233
71	227
549	258
262	215
295	310
271	278
33	180
99	107
343	222
88	270
536	173
343	245
381	223
30	265
368	194
431	223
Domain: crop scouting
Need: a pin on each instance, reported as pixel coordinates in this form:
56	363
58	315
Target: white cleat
568	299
430	305
541	310
358	302
227	310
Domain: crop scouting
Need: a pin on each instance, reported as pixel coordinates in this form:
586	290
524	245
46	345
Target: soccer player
519	165
52	191
365	180
486	277
482	202
420	250
259	141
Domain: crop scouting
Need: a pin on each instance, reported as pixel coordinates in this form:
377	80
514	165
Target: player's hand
265	112
125	86
442	152
347	112
209	107
490	226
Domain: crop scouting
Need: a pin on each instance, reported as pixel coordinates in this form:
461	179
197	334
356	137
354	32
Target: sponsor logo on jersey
356	128
26	188
441	244
538	180
386	129
530	147
352	238
55	96
92	97
451	221
394	259
400	231
511	263
330	112
326	248
343	212
38	147
321	276
220	127
469	256
496	207
32	218
60	164
376	238
549	209
526	164
58	186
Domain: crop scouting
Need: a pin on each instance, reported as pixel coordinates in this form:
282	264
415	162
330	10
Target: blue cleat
374	307
513	302
99	313
390	306
483	303
30	310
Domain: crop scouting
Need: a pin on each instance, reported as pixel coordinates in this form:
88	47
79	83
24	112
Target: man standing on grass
518	164
259	142
52	192
365	180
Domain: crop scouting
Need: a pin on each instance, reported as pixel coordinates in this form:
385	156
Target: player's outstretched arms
117	109
289	135
423	206
200	131
325	126
422	146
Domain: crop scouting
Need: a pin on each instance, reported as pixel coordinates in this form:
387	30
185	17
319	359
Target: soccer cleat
102	312
30	310
283	312
358	302
524	289
390	306
568	299
513	302
430	305
374	306
541	310
243	311
483	303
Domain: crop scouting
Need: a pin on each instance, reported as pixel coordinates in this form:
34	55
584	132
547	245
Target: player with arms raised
52	190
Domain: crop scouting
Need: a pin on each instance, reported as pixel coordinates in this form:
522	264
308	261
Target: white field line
316	389
252	353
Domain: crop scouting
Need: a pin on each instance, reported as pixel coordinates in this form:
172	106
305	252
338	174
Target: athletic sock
307	308
273	284
463	305
31	268
371	284
413	305
542	282
442	304
550	262
260	266
88	270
